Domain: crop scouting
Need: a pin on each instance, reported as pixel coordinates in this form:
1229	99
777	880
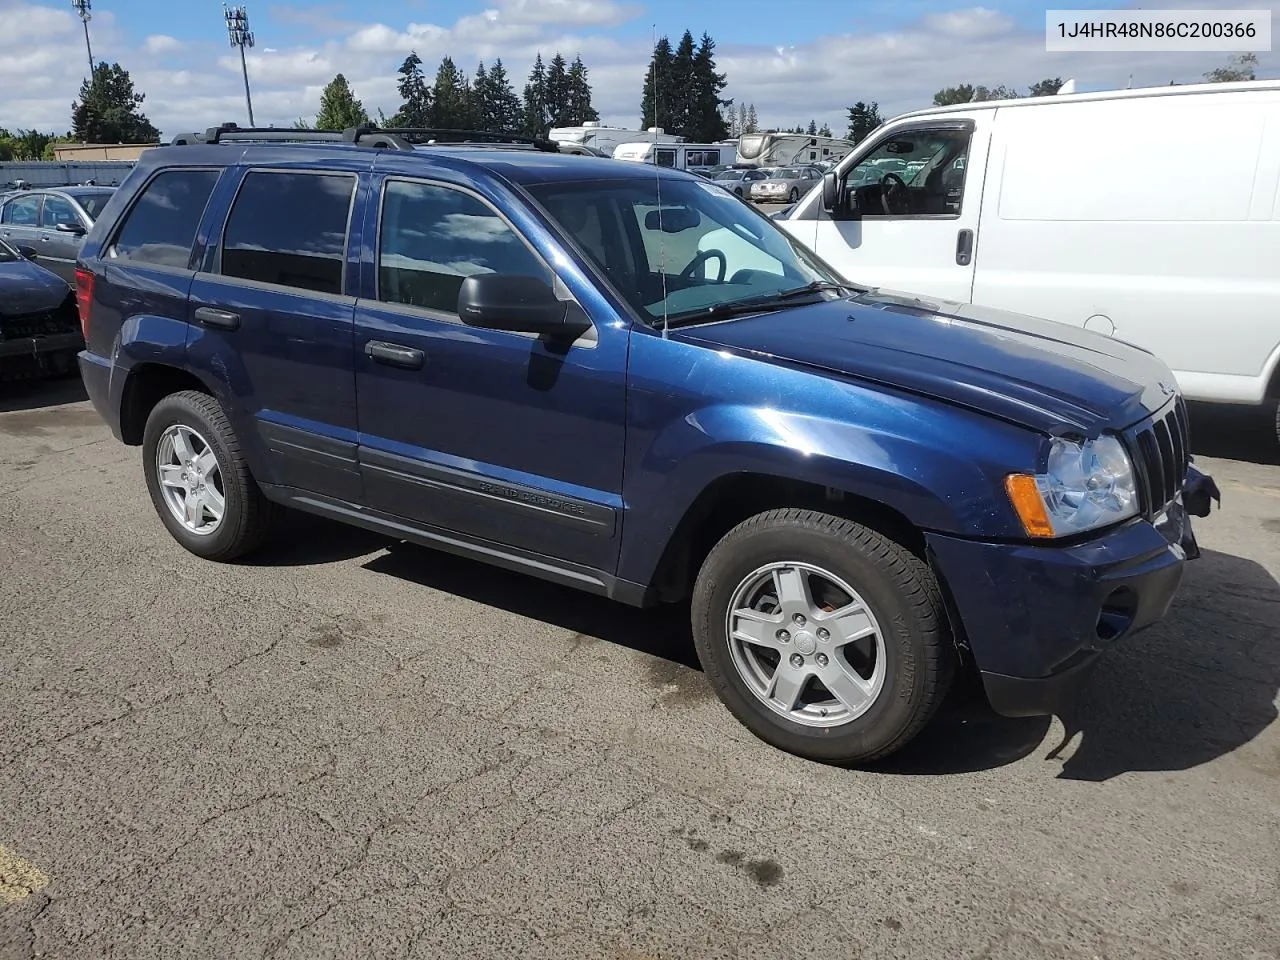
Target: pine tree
536	117
706	119
507	111
557	91
742	119
825	131
812	129
339	108
482	108
449	95
683	82
108	109
578	106
753	124
655	102
415	110
863	118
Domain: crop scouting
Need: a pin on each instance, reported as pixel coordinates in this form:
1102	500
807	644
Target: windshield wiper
773	301
818	286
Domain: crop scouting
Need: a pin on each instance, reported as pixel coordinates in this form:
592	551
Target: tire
793	196
914	655
246	516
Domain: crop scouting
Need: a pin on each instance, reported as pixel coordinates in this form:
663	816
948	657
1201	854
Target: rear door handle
964	248
213	317
395	354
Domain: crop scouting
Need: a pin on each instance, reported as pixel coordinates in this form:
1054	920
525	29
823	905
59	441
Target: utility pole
82	8
240	36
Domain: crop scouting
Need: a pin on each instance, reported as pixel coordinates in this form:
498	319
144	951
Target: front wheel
793	196
823	637
199	480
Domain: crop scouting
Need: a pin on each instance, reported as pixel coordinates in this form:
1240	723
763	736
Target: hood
1037	373
27	288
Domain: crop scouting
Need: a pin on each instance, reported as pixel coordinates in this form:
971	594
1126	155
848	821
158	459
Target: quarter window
22	212
433	237
161	227
289	229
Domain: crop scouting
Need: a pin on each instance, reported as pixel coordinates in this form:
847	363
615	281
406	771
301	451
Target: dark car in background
53	221
39	325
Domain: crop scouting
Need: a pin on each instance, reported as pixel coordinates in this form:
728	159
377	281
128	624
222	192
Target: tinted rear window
161	227
290	229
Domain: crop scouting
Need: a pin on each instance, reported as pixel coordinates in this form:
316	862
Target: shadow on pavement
1196	686
1234	432
660	632
305	540
1191	689
33	394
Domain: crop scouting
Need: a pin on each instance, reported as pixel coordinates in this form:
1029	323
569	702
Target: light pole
241	36
82	7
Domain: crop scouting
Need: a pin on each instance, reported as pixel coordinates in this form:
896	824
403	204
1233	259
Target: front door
500	436
62	231
910	220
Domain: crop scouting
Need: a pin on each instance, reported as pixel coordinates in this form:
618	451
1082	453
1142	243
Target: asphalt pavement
355	748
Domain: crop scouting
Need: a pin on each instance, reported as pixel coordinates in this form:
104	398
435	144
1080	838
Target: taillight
84	298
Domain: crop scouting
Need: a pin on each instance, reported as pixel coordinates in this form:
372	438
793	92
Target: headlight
1087	485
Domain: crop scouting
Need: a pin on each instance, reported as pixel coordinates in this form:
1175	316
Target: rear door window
161	227
290	229
23	211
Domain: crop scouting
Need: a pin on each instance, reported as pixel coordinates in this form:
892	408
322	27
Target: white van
1150	215
680	156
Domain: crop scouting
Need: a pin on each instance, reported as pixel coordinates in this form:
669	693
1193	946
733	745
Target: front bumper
1037	618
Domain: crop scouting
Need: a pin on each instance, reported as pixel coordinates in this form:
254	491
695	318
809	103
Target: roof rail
364	135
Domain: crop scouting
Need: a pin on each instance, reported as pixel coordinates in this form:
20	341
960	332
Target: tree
557	91
415	108
825	131
339	108
450	97
705	122
812	129
578	108
1236	69
655	102
682	84
108	109
25	144
968	93
742	120
537	118
753	124
863	118
1046	88
507	113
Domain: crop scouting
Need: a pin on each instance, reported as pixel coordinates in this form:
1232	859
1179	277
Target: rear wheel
823	637
793	196
199	480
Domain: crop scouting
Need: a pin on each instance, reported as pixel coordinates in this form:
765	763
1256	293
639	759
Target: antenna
241	36
83	8
657	182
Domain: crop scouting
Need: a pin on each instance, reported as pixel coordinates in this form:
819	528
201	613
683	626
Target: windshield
93	202
790	173
730	175
701	250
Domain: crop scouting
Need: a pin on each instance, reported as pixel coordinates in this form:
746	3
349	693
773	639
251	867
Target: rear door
918	192
272	314
20	220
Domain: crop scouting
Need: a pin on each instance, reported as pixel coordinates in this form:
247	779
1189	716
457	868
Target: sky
795	60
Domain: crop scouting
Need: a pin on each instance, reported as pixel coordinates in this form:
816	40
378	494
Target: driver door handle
396	355
964	248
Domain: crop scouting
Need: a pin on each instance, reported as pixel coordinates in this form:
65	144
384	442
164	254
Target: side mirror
26	251
519	303
73	228
830	192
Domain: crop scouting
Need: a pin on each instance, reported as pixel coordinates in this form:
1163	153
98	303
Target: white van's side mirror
835	197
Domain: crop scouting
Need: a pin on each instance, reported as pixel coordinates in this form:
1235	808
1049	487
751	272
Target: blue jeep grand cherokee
623	379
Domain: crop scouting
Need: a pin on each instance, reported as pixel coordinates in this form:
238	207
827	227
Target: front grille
44	324
1164	452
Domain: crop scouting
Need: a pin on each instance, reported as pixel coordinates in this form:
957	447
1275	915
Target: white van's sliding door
912	219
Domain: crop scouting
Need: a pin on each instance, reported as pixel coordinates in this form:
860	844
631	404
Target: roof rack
365	135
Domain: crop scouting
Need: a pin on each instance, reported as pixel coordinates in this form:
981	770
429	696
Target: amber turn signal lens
1025	495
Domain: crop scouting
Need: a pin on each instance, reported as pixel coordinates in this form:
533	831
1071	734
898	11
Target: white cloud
818	79
160	43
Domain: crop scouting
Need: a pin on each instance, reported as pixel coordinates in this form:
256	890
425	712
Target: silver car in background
785	185
738	180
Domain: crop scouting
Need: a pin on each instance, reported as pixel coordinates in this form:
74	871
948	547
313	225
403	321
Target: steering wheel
702	258
893	195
